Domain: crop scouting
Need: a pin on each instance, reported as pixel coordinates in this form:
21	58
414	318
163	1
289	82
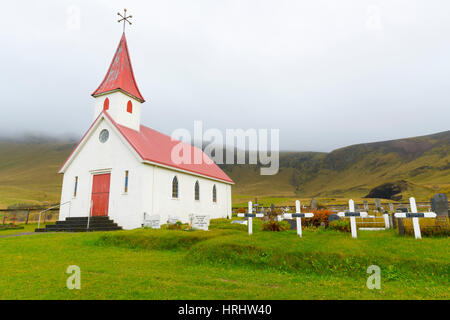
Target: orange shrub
320	216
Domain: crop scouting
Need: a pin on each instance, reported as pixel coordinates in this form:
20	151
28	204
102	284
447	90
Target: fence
28	215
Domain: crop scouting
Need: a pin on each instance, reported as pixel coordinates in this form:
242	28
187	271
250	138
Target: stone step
79	224
84	223
86	218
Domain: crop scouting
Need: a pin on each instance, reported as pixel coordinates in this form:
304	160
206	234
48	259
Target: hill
416	166
393	169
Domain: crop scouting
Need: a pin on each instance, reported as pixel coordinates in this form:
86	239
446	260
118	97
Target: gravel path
20	234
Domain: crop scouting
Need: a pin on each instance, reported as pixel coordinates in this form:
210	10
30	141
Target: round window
104	135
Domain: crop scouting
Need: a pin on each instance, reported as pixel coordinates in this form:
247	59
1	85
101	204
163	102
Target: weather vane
124	18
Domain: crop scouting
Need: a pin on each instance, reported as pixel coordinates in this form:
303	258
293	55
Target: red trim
129	106
106	104
120	74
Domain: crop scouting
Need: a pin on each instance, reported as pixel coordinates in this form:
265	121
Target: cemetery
316	254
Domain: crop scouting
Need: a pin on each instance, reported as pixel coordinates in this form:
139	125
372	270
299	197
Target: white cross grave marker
415	216
250	215
352	214
386	220
298	217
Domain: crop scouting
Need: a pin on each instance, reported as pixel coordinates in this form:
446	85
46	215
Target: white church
124	170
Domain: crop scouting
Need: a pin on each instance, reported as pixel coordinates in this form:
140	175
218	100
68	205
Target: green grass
223	263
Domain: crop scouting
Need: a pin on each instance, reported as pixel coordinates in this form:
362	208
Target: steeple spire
120	75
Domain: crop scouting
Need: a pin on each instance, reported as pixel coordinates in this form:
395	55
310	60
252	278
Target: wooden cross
415	216
298	217
352	214
250	215
124	18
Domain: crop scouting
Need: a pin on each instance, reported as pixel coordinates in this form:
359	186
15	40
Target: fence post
28	215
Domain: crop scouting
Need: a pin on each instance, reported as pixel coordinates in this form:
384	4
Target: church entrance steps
79	224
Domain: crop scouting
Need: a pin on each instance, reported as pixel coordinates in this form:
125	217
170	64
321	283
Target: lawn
223	263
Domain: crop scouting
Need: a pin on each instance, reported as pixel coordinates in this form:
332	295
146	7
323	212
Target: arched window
175	187
197	191
214	194
129	106
106	104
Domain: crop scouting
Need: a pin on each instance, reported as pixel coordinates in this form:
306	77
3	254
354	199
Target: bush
319	217
275	226
340	225
175	226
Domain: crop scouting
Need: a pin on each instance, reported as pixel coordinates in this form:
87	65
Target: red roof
120	74
157	147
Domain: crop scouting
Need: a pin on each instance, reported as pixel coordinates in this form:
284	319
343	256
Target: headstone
199	221
377	203
153	222
333	217
439	205
366	205
401	227
292	224
391	207
313	204
393	220
244	222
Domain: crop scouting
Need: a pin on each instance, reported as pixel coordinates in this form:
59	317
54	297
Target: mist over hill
394	169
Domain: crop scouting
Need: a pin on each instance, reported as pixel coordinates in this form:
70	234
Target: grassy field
223	263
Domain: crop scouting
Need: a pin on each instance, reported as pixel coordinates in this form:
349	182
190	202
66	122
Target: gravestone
377	203
391	207
292	224
313	204
401	227
439	205
153	222
199	221
366	205
333	217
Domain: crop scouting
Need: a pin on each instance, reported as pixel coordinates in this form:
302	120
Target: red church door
100	194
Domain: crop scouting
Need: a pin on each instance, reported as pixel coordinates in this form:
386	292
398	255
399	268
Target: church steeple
120	75
118	93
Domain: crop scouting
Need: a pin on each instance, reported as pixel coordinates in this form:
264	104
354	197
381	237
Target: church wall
164	205
112	156
149	186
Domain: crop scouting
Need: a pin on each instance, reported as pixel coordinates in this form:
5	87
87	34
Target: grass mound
154	239
328	261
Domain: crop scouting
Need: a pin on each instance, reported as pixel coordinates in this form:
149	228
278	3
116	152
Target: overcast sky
326	73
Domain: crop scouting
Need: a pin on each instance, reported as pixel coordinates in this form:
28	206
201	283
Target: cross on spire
124	18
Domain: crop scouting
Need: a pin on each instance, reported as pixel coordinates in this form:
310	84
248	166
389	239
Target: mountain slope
421	165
